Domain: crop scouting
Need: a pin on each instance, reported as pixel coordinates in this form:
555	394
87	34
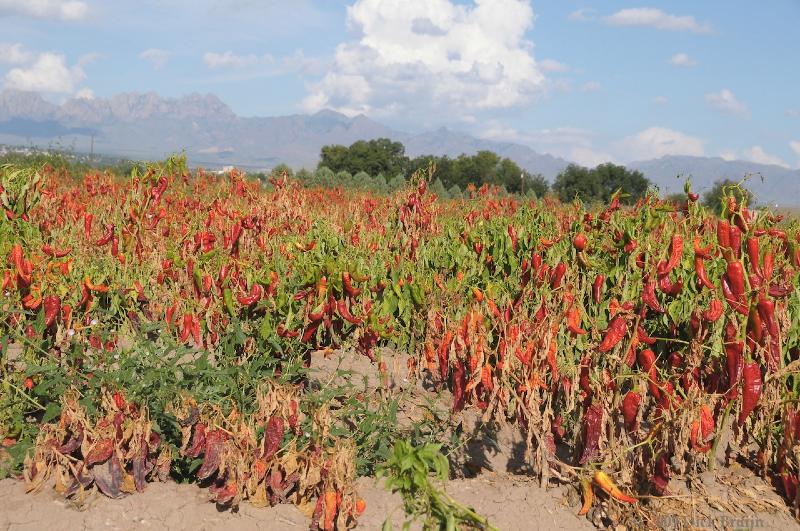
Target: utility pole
522	183
92	149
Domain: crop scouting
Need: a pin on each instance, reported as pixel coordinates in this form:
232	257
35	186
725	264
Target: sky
588	81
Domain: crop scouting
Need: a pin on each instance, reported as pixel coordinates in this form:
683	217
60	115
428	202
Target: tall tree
577	181
612	177
372	156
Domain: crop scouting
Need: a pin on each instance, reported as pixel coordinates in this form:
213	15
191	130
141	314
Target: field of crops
160	326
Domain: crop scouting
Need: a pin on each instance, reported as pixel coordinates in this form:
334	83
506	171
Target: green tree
438	188
577	181
455	192
361	180
612	177
334	157
372	156
279	170
324	176
715	197
304	176
536	185
344	179
396	183
510	176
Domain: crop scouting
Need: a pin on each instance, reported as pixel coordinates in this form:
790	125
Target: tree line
382	166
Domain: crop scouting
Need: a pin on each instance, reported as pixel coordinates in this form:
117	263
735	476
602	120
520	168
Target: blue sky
589	81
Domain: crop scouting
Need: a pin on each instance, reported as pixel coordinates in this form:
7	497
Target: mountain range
146	125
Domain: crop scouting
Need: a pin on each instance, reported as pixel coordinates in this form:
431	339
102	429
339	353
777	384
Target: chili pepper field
264	344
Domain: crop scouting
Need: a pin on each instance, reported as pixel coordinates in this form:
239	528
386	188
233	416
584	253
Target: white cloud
14	54
582	15
158	58
795	145
728	154
231	60
550	65
48	73
757	154
591	86
724	100
660	100
681	59
656	142
84	94
52	9
655	18
793	113
431	58
299	62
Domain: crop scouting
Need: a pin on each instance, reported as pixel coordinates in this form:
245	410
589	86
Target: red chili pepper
736	240
513	235
196	331
777	291
311	330
734	361
701	430
536	262
641	335
256	291
723	234
558	275
87	225
662	473
751	389
597	288
579	241
755	328
649	296
187	327
56	253
170	314
702	252
700	270
614	334
647	360
106	238
318	313
341	306
444	352
630	410
592	428
583	378
574	321
284	333
768	266
754	256
349	290
714	311
766	309
668	287
676	252
52	309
